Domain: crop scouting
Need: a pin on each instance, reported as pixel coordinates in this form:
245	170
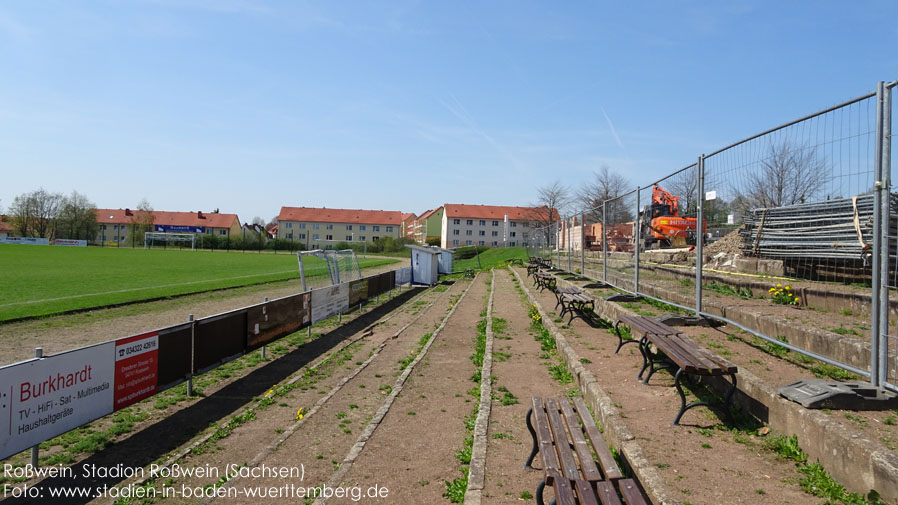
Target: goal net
319	268
156	238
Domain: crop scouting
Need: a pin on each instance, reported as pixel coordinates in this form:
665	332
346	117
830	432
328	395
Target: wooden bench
532	268
674	350
516	261
575	475
545	281
564	291
469	273
577	305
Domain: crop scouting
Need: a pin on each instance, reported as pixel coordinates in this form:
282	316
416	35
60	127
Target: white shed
425	265
445	260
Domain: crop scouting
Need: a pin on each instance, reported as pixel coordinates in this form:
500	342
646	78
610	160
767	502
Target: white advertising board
329	301
24	240
70	242
43	398
403	276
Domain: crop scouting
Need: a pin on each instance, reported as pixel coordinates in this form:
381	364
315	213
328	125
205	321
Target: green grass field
42	280
491	258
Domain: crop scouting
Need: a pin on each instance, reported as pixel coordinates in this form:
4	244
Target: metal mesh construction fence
798	223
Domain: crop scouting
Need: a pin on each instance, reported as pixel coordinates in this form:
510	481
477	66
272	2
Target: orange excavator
662	225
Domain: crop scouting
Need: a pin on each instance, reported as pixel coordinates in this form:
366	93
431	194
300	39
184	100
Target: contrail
613	129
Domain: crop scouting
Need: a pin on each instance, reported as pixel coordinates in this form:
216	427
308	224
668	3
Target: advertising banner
70	242
276	319
43	398
403	276
175	356
358	291
136	368
219	339
328	301
170	228
24	240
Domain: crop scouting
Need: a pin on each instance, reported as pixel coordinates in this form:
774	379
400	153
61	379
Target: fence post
885	163
637	236
604	242
699	233
262	352
192	335
583	243
569	248
35	450
876	314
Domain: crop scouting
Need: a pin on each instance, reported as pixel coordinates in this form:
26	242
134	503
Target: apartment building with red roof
407	225
428	225
117	226
489	225
322	228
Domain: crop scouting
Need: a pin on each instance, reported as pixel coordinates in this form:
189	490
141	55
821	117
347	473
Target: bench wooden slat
588	467
606	493
564	493
630	492
647	325
585	492
544	437
606	460
568	463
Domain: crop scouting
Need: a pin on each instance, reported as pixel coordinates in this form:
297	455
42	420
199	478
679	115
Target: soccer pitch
43	280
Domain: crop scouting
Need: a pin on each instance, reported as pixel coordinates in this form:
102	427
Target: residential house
322	228
488	225
428	225
117	226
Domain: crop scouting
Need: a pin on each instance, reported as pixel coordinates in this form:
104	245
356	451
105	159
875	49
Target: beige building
487	225
116	226
322	228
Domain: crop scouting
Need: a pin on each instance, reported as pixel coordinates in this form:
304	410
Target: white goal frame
151	236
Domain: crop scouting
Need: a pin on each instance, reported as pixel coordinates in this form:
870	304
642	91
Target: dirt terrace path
702	462
316	442
412	451
60	333
520	369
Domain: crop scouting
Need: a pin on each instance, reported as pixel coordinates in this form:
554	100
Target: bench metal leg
621	341
539	492
646	357
529	463
725	405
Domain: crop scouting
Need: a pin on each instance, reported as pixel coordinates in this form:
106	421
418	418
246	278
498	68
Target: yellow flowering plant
783	295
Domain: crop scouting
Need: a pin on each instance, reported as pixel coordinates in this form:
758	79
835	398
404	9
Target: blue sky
247	105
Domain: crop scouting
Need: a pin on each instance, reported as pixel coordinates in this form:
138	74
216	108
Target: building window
328	237
389	229
495	223
495	243
362	227
481	242
103	227
104	238
348	227
210	231
467	242
362	238
469	222
512	234
455	232
456	221
289	225
329	227
512	224
302	226
482	223
115	227
288	236
315	226
375	238
349	238
375	228
301	235
314	236
455	242
222	232
481	233
513	244
469	232
495	234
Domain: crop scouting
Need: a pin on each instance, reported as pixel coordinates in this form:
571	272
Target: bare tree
607	185
788	176
77	219
34	214
142	221
258	221
551	200
684	185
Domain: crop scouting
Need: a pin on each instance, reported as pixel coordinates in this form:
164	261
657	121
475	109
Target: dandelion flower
299	413
788	287
797	300
779	285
